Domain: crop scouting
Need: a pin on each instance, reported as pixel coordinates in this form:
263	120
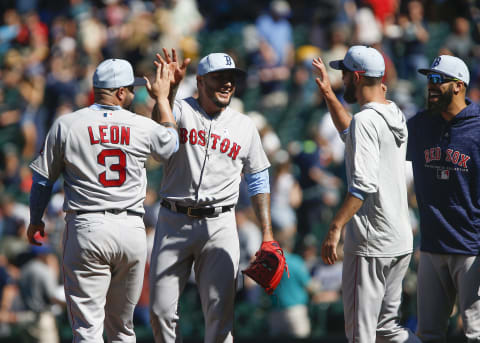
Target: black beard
349	94
220	104
442	104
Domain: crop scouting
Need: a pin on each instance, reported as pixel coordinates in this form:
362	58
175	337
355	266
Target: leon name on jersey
109	134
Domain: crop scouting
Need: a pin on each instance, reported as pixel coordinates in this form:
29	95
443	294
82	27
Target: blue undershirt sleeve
357	193
258	183
39	197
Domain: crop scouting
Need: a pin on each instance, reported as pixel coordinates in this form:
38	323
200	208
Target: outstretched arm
339	114
159	90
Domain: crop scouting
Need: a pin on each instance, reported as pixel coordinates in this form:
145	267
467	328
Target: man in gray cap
378	237
200	187
101	152
443	145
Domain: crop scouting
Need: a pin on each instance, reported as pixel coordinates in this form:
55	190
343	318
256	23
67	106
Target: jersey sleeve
50	162
366	155
163	142
256	160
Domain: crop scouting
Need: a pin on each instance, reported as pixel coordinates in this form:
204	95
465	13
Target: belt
114	211
195	212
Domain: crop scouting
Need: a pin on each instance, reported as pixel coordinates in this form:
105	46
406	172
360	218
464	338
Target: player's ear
121	93
459	87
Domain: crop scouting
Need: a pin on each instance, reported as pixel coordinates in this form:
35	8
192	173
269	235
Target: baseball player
101	152
378	236
443	145
200	187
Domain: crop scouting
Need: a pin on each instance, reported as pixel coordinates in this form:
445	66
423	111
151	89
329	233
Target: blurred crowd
50	48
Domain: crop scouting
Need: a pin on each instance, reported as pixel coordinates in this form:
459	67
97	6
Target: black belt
114	211
196	212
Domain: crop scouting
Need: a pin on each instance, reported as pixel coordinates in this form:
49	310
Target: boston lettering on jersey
109	134
198	137
455	157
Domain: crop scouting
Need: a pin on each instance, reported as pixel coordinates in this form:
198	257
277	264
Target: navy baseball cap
449	66
116	73
217	62
362	58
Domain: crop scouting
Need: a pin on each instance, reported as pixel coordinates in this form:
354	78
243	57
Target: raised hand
178	69
160	88
322	80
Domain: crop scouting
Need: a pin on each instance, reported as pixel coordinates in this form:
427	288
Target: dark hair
372	81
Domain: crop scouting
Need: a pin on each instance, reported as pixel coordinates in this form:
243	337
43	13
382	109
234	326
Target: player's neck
107	100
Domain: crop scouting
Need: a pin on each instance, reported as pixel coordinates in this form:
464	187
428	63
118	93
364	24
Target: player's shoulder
69	119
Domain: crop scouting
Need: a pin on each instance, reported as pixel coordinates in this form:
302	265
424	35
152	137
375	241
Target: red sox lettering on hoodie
452	156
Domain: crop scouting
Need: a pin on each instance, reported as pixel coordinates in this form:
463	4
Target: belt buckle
189	212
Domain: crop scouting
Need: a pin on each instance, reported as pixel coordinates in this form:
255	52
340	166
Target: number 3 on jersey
117	155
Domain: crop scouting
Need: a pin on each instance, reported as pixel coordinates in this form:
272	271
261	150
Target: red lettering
183	135
463	162
193	136
456	156
438	153
92	140
427	156
215	139
102	129
448	158
225	145
114	134
432	154
125	136
201	138
234	151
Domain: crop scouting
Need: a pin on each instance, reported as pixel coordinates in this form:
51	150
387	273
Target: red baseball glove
268	266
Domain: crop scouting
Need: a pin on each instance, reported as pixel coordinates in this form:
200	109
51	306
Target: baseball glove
268	266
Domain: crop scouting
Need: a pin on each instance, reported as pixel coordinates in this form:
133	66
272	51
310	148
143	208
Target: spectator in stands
276	52
39	291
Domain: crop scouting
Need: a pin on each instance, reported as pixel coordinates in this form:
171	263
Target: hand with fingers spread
178	69
322	80
33	230
160	87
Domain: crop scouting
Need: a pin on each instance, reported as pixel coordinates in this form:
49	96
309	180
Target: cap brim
427	71
139	81
338	65
239	72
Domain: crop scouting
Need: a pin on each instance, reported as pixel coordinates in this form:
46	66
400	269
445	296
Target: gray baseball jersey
102	155
205	172
101	152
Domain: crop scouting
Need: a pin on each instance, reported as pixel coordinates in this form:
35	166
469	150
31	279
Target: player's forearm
172	94
162	113
350	206
39	198
261	206
340	117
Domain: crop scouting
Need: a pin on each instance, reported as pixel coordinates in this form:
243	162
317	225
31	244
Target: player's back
102	154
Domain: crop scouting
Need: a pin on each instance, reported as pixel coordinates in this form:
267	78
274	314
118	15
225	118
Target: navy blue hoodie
446	169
